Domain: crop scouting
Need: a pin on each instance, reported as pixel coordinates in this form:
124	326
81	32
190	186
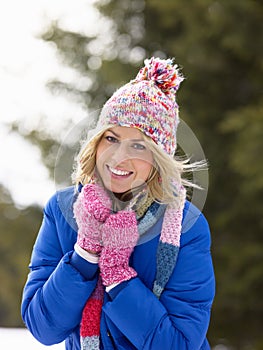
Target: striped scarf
167	252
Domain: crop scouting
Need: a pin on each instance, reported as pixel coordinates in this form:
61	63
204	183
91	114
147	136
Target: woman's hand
91	209
119	237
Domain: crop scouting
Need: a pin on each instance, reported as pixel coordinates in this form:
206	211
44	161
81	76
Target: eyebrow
117	135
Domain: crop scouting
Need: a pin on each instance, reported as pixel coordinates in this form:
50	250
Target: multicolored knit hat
148	103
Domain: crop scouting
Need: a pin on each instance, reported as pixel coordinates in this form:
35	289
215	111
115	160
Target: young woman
122	260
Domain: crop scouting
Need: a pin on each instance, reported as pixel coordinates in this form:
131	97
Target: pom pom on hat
148	103
165	75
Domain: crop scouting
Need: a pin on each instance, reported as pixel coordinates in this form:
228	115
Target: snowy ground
19	338
13	338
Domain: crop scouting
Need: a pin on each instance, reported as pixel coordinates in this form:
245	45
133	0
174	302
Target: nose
120	152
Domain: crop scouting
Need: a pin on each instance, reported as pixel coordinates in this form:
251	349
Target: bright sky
26	64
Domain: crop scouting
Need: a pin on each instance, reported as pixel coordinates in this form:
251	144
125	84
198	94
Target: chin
116	188
119	190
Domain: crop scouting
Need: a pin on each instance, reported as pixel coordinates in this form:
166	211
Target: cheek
101	154
100	158
105	150
143	169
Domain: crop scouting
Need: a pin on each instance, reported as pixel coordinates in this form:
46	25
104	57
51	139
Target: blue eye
111	139
138	146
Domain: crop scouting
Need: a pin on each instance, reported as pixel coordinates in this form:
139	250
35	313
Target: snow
21	338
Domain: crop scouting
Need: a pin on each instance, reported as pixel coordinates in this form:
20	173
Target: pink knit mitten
91	209
119	236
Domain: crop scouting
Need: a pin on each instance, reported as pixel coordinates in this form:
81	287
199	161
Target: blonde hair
86	160
166	174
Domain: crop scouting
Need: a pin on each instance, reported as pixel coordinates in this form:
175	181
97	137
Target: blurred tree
46	143
18	229
216	43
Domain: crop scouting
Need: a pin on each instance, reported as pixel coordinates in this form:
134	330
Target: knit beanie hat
148	103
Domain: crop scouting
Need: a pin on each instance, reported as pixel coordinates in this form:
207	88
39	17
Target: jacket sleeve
180	318
56	290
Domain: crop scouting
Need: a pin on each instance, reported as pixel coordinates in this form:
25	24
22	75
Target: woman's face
123	160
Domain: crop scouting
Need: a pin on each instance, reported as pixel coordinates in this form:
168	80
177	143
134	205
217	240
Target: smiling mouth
118	172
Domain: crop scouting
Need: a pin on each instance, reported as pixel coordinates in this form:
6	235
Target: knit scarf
167	252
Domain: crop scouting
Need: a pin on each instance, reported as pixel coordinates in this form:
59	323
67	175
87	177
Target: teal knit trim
166	260
150	218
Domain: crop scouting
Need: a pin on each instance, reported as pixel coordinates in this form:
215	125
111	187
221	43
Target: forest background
218	45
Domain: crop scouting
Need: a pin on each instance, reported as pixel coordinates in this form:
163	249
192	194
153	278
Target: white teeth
119	172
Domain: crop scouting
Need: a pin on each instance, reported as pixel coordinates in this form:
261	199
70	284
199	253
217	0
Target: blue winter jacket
60	282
